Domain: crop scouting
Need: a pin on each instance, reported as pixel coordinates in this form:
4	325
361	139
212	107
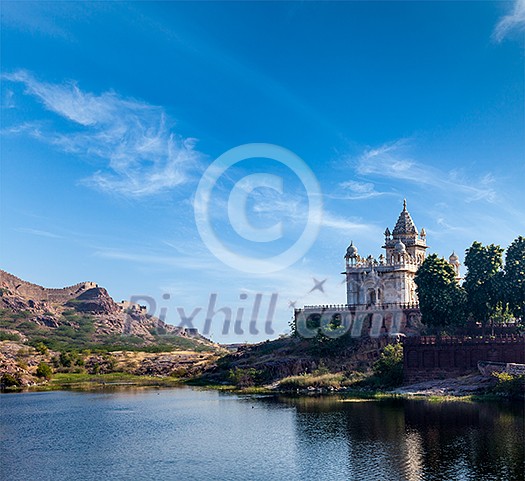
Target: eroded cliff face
81	329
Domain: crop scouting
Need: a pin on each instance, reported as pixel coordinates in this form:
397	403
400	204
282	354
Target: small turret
351	251
454	261
351	254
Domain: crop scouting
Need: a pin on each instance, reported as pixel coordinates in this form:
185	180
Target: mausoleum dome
400	248
351	251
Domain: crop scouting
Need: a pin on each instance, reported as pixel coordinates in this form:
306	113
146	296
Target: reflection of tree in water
360	440
320	438
408	440
469	440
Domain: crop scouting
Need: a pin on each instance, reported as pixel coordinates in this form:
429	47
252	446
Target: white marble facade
389	279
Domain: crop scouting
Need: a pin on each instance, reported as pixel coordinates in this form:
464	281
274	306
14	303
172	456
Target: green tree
41	348
509	385
502	314
514	279
9	380
44	370
441	299
389	367
484	281
243	378
70	359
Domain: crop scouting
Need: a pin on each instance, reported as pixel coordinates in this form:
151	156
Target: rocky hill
80	316
80	328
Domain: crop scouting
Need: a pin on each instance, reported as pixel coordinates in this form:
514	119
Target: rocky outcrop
166	365
294	356
460	386
68	306
94	301
18	363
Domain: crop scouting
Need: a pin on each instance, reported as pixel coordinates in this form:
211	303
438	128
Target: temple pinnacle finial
404	204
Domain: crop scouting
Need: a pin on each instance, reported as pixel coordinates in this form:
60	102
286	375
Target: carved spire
405	224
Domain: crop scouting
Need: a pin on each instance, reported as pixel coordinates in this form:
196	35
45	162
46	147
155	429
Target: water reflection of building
356	439
406	439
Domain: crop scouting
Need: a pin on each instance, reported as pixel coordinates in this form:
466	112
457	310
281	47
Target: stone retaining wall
427	358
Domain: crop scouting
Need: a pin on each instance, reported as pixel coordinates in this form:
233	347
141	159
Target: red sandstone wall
426	358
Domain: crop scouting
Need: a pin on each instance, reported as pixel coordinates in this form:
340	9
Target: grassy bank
83	381
325	387
351	394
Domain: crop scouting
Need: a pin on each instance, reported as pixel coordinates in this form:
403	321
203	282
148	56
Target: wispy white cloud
144	157
38	232
33	129
364	188
514	21
268	202
347	226
391	161
446	226
356	190
293	210
8	99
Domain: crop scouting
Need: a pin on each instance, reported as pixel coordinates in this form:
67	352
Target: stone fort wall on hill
38	293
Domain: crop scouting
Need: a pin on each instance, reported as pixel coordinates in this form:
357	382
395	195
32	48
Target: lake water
186	434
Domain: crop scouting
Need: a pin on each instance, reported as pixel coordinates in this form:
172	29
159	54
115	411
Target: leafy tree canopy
484	280
514	279
441	299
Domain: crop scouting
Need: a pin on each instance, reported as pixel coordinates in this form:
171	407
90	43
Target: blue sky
112	113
